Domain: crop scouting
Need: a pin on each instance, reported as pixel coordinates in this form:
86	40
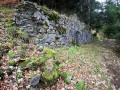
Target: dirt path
113	67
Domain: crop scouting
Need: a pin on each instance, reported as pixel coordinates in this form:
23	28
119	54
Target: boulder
35	80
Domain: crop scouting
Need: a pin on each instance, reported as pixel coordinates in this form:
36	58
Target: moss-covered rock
50	76
24	63
52	15
31	61
80	86
47	54
11	63
67	77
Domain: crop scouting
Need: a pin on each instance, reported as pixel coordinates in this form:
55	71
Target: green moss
57	63
33	60
50	76
11	63
69	73
11	54
56	74
24	63
65	77
52	14
47	54
80	86
47	76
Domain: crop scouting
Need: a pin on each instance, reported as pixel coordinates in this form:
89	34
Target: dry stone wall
49	28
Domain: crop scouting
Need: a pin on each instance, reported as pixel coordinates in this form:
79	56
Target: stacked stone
33	20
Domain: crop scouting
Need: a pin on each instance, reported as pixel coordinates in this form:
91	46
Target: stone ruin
49	28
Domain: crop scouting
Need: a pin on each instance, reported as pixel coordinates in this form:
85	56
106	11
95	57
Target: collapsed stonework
49	28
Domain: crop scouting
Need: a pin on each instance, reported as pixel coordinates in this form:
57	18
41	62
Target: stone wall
49	28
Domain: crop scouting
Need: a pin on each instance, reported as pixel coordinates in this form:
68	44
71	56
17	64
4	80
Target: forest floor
97	64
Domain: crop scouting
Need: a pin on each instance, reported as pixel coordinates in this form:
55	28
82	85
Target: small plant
22	51
11	54
23	35
12	43
12	31
10	22
19	74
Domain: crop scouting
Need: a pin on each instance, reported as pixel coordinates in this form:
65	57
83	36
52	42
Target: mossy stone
50	76
52	14
11	63
67	77
47	54
24	63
